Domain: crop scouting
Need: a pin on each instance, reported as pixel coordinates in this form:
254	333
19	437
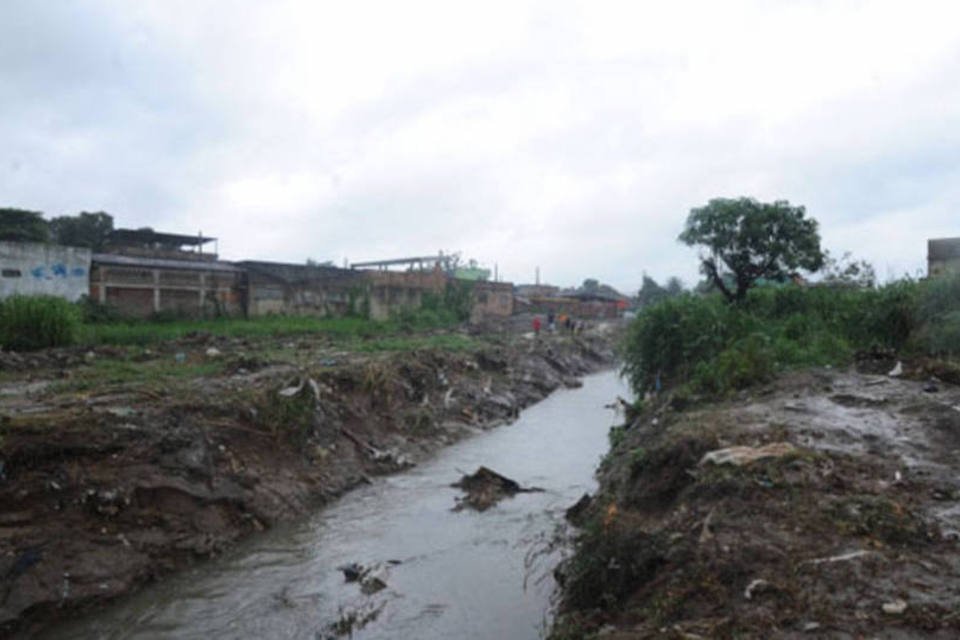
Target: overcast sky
573	136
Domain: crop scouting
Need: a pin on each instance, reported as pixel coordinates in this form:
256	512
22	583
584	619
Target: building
491	300
143	272
302	289
943	256
390	292
299	289
33	268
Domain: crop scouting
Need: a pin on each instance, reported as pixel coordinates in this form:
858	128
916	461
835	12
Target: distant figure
568	324
536	326
551	322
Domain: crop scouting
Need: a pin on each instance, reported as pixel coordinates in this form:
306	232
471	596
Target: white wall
50	269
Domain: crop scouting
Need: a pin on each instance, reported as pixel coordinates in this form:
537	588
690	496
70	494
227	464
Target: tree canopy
747	240
83	230
651	292
21	225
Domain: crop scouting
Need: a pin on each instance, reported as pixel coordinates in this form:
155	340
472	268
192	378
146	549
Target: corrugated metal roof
159	263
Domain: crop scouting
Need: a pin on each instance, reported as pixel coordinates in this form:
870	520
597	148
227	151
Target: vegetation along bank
795	476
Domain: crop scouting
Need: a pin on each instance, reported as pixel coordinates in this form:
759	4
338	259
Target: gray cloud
574	137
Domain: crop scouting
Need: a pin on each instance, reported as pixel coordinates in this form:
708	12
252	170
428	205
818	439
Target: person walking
536	326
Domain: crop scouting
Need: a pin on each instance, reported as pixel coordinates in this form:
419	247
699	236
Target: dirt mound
485	488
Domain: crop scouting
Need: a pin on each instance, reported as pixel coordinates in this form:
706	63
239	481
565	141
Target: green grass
108	372
145	332
28	323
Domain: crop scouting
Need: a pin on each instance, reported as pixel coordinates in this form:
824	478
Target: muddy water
460	575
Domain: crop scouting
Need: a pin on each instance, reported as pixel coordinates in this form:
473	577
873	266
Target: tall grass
146	332
140	332
716	347
35	322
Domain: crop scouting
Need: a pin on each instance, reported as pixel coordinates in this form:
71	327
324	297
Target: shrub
936	316
720	348
37	322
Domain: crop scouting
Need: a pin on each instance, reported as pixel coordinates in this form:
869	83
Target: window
11	273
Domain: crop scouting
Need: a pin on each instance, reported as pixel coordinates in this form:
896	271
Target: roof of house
149	236
161	263
291	273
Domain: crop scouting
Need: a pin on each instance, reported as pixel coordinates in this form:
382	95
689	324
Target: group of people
564	321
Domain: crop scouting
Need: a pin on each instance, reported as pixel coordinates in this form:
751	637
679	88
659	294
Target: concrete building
31	268
943	256
299	289
145	272
389	292
491	300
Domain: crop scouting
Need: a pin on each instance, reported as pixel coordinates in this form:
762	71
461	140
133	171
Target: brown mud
824	505
110	480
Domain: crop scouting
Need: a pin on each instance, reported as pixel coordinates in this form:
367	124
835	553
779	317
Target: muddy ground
118	466
838	518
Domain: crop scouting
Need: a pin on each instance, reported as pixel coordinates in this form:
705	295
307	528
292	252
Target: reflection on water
461	575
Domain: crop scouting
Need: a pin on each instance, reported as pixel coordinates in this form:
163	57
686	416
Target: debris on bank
121	465
485	488
825	504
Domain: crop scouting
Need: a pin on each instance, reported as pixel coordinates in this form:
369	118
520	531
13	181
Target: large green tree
83	230
746	240
21	225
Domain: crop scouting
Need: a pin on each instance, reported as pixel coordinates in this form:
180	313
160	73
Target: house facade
33	268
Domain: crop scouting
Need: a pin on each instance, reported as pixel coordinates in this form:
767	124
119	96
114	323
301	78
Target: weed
35	322
721	348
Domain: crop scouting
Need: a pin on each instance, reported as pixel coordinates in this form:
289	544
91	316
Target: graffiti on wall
57	270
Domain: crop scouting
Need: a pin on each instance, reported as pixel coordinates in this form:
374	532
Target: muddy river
448	574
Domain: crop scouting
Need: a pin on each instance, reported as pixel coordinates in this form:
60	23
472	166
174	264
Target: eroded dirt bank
839	517
105	488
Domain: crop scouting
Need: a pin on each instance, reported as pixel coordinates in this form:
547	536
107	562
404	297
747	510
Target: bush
37	322
717	347
936	317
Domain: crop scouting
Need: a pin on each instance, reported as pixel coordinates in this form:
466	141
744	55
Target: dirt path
837	516
118	468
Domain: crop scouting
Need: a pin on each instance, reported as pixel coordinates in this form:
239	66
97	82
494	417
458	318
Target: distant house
144	272
491	300
301	289
33	268
943	256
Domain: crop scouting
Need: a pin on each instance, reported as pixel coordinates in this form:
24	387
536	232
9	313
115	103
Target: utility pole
538	277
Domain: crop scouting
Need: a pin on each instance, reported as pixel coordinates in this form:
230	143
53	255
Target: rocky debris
894	608
485	488
372	579
740	456
578	510
351	572
839	519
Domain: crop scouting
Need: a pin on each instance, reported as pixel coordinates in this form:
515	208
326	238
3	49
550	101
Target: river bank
429	571
825	504
120	467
